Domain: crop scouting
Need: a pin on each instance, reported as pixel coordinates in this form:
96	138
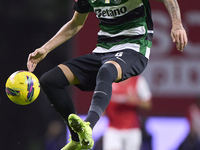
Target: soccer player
123	50
124	125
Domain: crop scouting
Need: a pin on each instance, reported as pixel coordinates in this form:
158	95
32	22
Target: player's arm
65	33
178	33
138	102
144	94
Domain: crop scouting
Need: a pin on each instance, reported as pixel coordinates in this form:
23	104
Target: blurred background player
55	135
124	131
192	141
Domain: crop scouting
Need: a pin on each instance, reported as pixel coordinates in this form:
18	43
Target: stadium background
174	77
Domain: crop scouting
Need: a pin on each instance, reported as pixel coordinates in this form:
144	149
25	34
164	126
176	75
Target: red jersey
121	113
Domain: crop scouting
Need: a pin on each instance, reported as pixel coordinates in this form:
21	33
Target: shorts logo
119	54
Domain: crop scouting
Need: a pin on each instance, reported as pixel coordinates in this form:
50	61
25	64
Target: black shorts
86	67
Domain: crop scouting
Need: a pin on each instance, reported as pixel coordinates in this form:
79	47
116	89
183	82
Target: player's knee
54	77
44	82
107	73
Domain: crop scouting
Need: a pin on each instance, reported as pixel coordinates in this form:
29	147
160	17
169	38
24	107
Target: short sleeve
143	89
82	6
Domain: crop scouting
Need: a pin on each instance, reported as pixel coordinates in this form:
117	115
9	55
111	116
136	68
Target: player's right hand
34	58
179	37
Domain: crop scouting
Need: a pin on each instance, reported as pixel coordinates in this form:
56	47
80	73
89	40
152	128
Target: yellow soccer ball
22	87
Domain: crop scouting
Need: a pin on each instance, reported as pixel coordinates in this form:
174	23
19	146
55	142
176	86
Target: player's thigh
69	75
112	140
128	62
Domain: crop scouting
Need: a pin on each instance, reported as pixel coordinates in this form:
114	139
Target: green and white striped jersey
124	24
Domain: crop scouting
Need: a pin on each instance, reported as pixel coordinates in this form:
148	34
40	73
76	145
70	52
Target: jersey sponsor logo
110	12
107	1
93	1
118	1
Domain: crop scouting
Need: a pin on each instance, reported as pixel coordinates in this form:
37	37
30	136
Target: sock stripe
95	92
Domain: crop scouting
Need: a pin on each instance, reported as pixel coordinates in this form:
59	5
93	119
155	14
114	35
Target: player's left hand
179	37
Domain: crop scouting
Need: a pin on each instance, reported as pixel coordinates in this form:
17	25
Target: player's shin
106	76
53	83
